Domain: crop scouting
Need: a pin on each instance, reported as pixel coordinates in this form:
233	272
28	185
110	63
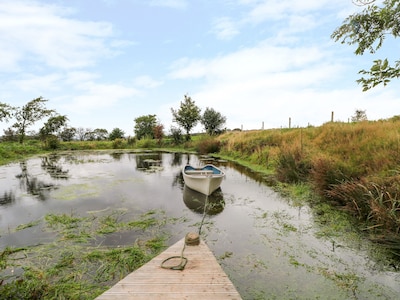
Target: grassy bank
354	167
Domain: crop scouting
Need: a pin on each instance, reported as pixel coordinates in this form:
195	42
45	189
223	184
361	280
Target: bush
146	143
52	143
177	136
208	146
118	143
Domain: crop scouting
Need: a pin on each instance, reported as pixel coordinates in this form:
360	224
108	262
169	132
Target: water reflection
148	161
51	165
199	203
176	159
7	198
117	155
32	185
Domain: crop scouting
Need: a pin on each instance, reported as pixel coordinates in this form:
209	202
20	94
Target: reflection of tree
31	184
7	198
116	155
176	159
51	166
178	180
148	161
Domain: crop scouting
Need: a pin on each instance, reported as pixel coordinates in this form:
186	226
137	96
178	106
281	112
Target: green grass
73	267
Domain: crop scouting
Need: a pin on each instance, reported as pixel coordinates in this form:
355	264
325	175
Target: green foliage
187	116
67	134
53	126
176	134
212	121
118	143
100	134
116	133
368	29
144	126
29	114
5	112
52	142
146	143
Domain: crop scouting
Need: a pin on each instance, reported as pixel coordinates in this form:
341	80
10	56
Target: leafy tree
187	115
116	133
144	126
10	135
213	121
100	134
90	134
68	134
5	112
29	114
53	125
368	29
359	115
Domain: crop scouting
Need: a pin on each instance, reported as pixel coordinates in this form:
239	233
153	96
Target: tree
359	115
144	126
100	134
68	134
213	121
116	133
29	114
187	115
53	126
368	29
5	112
158	132
81	133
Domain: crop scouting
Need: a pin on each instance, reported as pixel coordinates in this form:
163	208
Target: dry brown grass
354	165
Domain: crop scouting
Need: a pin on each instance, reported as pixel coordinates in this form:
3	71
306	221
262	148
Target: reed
351	165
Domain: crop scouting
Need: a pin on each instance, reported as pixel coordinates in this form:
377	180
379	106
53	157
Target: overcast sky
103	63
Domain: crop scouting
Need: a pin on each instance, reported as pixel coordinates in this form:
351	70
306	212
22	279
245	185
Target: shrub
209	145
52	143
118	143
146	143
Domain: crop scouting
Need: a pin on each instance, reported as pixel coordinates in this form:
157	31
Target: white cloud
45	35
225	28
178	4
146	81
95	96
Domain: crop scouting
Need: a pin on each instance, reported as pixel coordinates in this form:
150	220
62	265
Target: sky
103	63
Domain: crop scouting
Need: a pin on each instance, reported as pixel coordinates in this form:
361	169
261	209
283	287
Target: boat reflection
196	201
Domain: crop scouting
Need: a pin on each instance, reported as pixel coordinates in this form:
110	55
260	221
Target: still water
269	248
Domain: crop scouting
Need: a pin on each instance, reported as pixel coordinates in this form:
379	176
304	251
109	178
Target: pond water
269	248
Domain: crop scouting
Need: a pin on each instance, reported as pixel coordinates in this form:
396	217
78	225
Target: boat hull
204	180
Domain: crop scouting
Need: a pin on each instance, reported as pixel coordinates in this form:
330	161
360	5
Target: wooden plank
202	278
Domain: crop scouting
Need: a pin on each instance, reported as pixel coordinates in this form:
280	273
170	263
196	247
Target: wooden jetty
202	278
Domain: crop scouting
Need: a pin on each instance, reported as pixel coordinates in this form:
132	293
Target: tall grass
351	165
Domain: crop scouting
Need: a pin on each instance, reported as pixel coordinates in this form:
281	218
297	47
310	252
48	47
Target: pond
270	248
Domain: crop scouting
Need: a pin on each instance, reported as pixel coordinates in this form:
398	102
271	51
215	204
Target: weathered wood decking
202	278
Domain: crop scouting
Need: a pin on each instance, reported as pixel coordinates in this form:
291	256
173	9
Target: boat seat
199	172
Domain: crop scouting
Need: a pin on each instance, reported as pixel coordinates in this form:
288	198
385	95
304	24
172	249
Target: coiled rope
191	239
